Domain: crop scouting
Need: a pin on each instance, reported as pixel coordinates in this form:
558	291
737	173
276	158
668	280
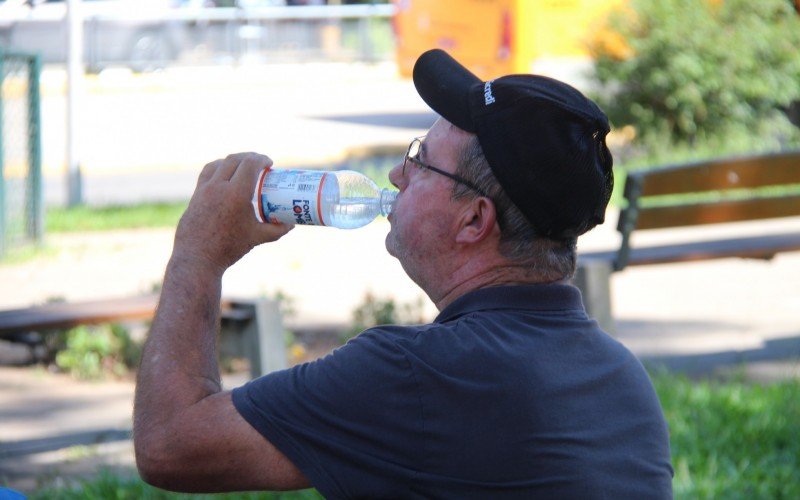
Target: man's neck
487	274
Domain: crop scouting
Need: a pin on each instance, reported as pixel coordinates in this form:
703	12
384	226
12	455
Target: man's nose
396	175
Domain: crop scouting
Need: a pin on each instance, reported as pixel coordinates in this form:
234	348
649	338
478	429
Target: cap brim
445	86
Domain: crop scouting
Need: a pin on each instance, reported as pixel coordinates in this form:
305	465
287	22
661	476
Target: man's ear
478	221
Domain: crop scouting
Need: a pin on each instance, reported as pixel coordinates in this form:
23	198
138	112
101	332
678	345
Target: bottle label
289	196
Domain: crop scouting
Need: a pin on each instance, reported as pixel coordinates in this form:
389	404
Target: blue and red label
289	196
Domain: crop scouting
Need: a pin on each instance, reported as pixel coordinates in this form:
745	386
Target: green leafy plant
384	311
92	353
709	73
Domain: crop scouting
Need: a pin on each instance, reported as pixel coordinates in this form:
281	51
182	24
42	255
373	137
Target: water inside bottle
354	212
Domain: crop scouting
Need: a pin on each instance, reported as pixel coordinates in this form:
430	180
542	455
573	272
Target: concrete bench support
265	333
250	328
593	278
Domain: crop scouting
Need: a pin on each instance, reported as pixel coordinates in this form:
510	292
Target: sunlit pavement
146	136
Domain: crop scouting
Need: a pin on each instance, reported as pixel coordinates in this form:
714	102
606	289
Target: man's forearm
188	436
179	361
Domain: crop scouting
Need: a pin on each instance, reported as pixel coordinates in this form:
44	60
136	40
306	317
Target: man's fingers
241	164
277	227
272	231
236	168
250	166
228	167
208	171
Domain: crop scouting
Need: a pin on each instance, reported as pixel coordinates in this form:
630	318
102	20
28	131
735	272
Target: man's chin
389	243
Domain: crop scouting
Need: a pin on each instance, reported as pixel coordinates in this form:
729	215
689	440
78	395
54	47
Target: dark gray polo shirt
512	392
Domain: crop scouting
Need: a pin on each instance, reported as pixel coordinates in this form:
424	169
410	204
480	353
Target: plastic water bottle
342	198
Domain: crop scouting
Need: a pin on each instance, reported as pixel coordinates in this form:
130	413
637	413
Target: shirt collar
550	297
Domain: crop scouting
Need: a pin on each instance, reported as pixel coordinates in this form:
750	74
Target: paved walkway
146	137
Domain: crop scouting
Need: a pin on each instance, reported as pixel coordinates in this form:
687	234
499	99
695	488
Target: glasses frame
416	161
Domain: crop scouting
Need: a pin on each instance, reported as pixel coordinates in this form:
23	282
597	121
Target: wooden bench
250	328
719	191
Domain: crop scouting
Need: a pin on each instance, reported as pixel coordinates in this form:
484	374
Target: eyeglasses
412	156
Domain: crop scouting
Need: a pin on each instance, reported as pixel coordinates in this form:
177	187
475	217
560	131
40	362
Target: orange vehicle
496	37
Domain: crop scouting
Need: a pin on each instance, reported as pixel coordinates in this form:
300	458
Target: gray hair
551	259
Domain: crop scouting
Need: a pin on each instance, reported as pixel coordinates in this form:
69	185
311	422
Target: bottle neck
387	201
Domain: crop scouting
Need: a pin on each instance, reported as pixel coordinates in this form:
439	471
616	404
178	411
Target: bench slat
717	212
719	175
68	315
754	247
764	247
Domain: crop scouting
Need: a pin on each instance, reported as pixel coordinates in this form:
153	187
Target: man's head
497	195
544	141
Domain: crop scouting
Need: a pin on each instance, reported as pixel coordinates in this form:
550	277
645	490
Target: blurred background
110	108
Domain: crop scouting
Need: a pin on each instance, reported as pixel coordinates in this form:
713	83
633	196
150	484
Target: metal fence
147	40
21	215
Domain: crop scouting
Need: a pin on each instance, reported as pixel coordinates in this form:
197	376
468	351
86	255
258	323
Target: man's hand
219	226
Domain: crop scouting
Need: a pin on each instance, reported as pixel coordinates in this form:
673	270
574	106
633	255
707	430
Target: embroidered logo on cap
488	98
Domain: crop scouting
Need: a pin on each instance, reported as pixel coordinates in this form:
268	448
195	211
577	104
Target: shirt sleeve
351	422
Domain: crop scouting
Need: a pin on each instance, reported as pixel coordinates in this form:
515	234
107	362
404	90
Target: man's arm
187	434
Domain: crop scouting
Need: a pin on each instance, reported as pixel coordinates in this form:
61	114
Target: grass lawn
86	218
733	440
90	219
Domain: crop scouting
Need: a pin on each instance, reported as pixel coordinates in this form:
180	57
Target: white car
137	33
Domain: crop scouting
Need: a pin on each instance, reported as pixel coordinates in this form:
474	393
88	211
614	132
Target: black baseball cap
543	139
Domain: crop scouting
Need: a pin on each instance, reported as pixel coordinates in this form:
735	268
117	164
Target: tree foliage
693	72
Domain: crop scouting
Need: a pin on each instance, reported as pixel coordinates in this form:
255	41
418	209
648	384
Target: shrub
692	72
384	311
91	353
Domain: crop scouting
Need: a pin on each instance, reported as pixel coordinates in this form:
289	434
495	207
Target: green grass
734	439
26	253
730	439
87	218
110	486
90	218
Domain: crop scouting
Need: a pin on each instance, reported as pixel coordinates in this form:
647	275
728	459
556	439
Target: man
512	392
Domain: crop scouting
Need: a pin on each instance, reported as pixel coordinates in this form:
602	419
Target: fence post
21	209
35	205
75	73
2	159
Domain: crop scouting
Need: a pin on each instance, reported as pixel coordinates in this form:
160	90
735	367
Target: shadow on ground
707	347
395	120
33	464
785	349
16	449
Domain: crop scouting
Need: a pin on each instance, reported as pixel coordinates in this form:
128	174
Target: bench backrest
710	192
